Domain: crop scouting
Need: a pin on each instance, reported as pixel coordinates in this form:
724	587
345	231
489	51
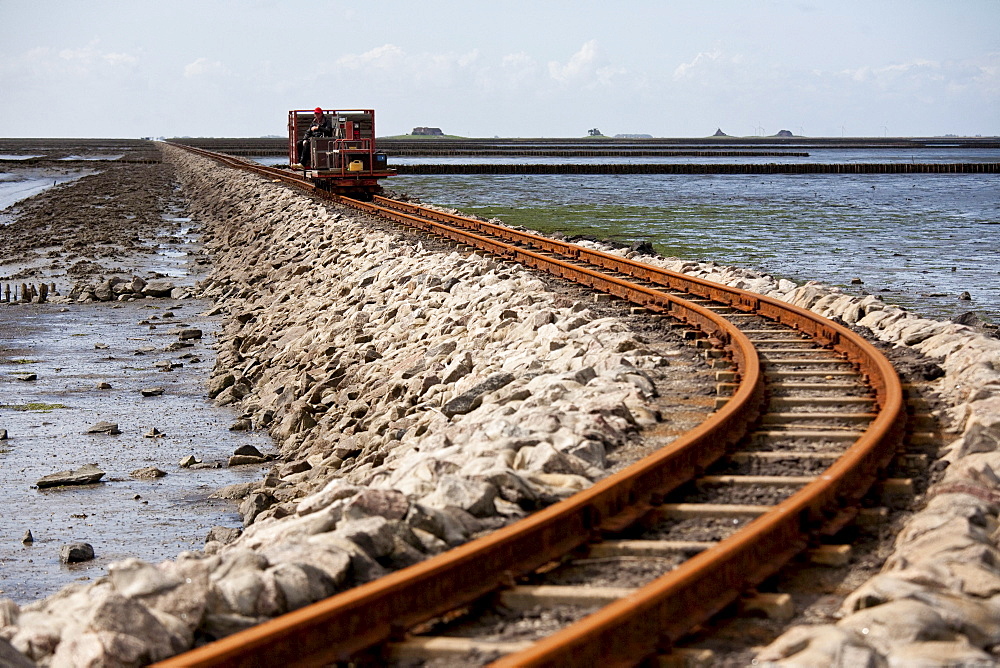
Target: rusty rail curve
658	614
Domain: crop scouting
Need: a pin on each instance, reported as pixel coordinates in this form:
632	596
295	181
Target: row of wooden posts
27	292
704	168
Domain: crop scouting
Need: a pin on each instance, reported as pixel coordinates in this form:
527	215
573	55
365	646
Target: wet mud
67	366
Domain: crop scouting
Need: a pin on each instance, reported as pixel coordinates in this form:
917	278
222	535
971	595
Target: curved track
779	403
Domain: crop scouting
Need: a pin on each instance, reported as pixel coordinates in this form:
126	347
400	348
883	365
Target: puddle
121	517
176	249
17	187
270	160
175	252
71	349
119	156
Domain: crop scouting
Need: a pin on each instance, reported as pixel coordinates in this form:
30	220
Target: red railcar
346	162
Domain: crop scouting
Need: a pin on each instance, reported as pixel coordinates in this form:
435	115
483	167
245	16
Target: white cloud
469	59
119	59
384	57
987	74
391	65
86	59
518	61
584	68
921	77
892	73
580	64
716	63
685	70
205	67
515	72
607	76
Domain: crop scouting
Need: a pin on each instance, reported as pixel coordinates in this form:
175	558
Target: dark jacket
324	129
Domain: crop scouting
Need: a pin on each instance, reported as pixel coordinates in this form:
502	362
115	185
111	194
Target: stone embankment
937	599
418	398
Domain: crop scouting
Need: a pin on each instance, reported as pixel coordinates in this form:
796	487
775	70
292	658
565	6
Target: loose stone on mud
242	460
76	553
87	474
148	473
247	454
248	451
104	428
243	424
158	287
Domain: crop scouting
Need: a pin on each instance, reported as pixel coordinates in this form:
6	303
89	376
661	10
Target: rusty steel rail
853	346
658	614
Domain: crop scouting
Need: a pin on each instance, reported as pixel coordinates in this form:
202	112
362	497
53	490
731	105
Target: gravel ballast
418	398
936	600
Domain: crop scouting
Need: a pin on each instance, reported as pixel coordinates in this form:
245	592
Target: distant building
720	133
427	131
784	133
633	136
594	132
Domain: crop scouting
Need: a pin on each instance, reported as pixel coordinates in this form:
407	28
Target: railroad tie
716	505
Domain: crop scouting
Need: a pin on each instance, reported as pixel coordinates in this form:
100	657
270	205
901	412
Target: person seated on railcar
322	126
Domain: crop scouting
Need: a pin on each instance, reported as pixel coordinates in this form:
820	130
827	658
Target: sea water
918	240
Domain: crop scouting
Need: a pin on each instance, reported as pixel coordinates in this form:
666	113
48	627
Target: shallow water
822	156
117	156
17	186
917	240
73	347
175	248
46	420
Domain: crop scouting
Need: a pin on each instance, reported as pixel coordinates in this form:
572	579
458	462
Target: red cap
318	110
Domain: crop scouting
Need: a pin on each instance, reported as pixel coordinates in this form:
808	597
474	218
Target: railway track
808	416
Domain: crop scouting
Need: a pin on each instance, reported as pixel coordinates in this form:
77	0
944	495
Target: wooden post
43	292
25	293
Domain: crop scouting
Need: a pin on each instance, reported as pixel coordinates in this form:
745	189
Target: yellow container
355	166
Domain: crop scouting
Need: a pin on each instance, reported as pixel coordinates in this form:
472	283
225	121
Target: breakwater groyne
690	168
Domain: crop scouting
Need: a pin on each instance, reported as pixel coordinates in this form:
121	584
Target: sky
540	68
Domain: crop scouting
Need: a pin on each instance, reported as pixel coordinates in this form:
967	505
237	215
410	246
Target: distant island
781	133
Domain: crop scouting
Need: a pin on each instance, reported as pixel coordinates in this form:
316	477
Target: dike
418	399
936	600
